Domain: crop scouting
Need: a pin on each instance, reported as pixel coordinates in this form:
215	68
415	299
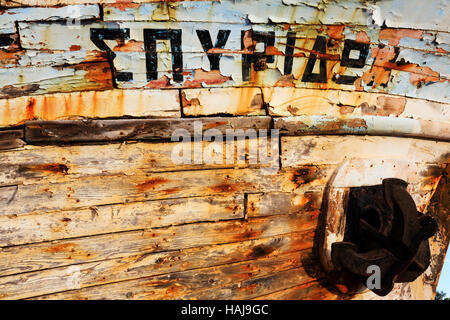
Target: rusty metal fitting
383	228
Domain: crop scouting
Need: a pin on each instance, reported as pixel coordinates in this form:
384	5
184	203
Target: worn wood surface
110	130
363	125
92	204
149	264
11	139
285	102
66	252
116	218
53	163
90	104
266	272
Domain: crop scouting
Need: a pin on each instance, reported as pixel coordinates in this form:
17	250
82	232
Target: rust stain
362	37
335	32
213	77
66	247
395	35
122	5
357	123
386	106
99	73
271	50
292	110
10	91
75	47
151	184
130	46
214	124
346	109
225	187
31	103
285	81
56	168
304	175
171	191
163	82
248	233
423	75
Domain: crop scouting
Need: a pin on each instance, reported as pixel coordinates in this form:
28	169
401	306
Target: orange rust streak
63	247
75	47
130	46
209	77
225	187
395	35
151	184
57	168
30	108
335	32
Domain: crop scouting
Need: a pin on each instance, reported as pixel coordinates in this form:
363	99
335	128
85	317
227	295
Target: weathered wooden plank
37	80
307	291
90	104
118	217
39	256
110	130
304	150
413	46
11	139
364	125
438	207
148	264
393	13
242	101
89	191
51	3
14	57
44	164
379	70
275	203
252	288
186	284
303	102
8	17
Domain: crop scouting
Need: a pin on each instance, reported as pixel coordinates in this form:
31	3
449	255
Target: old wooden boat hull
97	201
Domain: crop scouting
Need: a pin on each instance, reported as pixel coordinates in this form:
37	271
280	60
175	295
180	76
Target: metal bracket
377	226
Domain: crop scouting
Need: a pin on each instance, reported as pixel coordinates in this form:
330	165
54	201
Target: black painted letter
151	57
268	38
205	40
346	61
319	46
98	36
289	53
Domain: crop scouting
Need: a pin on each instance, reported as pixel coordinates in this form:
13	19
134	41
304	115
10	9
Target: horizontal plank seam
158	252
156	275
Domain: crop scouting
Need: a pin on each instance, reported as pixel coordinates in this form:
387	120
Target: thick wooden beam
11	139
147	264
133	129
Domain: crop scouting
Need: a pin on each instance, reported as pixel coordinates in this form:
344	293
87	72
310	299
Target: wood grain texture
286	101
36	80
54	254
364	125
147	264
96	220
334	149
90	104
51	163
189	284
11	139
121	129
105	189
